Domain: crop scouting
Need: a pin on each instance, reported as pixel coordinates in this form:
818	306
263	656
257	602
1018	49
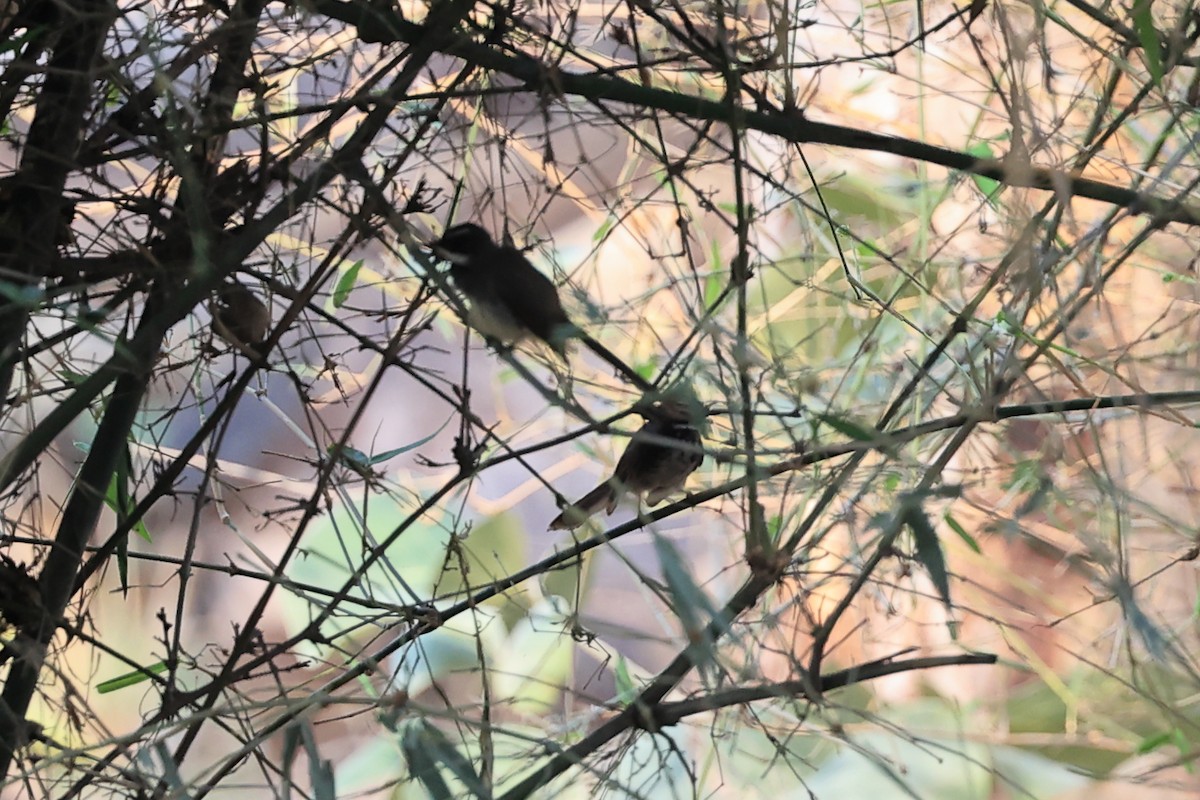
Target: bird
657	462
240	318
508	298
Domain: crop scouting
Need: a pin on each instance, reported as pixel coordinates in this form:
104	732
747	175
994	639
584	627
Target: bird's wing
534	302
631	466
655	467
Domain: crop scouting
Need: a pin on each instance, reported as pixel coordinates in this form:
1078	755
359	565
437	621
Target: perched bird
658	460
240	318
508	298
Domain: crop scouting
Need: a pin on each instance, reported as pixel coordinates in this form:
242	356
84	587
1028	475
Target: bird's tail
615	362
574	515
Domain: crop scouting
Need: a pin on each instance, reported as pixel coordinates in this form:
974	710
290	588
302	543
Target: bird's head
460	243
677	404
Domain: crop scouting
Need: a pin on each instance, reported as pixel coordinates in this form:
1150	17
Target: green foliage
131	678
345	284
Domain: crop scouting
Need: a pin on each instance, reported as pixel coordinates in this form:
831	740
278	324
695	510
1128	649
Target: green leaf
131	678
868	248
929	547
1025	475
603	229
1154	741
648	368
715	283
352	457
320	770
73	378
341	292
171	776
360	462
1143	23
122	553
458	764
1023	334
690	603
291	746
1174	737
112	95
989	187
962	532
774	526
388	454
854	430
27	296
424	746
424	768
1155	641
117	498
626	689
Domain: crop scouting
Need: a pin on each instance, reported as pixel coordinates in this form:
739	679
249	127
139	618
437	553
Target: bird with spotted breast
508	299
657	462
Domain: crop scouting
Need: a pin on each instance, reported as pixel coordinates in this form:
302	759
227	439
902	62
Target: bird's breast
495	320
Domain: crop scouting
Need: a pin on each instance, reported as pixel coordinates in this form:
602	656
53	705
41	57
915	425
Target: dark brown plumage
240	318
657	462
508	298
